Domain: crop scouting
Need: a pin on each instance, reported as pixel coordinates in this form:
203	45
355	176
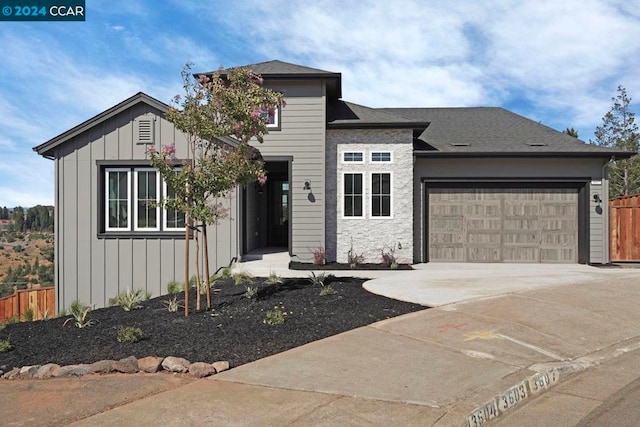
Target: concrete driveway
436	284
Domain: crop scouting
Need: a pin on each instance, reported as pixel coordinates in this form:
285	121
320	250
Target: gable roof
343	115
493	131
46	149
280	70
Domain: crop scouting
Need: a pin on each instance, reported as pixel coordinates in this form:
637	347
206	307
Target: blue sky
555	62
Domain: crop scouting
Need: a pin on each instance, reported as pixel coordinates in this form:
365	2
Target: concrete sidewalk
444	366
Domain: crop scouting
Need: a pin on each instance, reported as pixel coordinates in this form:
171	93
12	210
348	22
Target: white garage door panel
503	225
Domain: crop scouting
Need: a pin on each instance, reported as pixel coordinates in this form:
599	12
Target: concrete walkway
488	355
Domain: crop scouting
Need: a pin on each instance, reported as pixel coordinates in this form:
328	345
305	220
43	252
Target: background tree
571	132
618	130
230	104
18	218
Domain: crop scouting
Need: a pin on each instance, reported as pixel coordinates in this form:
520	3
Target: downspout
605	214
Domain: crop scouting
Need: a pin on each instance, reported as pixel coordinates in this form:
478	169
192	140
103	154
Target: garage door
503	225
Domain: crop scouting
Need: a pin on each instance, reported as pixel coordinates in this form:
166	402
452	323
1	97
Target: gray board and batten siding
93	265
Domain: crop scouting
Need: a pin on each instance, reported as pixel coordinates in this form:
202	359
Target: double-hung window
353	195
132	200
381	194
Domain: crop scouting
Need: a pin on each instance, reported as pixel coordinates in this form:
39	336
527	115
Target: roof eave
444	154
410	125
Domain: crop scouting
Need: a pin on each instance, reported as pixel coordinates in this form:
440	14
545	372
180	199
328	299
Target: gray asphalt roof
492	130
343	114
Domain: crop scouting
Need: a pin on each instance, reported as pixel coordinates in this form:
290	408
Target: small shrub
128	300
319	256
273	279
319	279
148	295
241	278
129	334
275	316
387	254
251	292
227	271
174	287
79	313
354	259
173	305
327	290
29	315
5	346
18	248
2	326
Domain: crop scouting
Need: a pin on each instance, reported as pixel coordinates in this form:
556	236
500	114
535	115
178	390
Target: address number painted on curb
511	397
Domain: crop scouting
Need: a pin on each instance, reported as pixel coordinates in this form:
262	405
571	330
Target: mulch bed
295	265
234	330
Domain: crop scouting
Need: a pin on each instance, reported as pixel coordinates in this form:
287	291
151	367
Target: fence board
40	300
624	229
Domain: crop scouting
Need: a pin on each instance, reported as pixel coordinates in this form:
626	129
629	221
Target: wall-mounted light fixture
307	185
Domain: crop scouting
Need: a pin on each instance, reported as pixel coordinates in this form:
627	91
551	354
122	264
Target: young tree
618	130
219	116
571	132
18	218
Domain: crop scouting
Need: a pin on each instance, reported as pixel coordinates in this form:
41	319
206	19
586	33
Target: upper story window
131	202
380	157
272	116
353	157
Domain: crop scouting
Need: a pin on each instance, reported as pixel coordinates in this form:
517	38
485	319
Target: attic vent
536	144
144	130
460	144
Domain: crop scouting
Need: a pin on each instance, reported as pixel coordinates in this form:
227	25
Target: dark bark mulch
234	330
295	265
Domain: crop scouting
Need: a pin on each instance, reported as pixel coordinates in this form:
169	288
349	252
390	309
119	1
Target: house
432	184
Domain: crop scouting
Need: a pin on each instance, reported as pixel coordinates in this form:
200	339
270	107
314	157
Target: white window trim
378	162
165	215
135	202
390	195
364	195
352	162
107	171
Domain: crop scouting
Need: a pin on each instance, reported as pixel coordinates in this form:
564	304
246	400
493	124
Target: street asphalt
504	344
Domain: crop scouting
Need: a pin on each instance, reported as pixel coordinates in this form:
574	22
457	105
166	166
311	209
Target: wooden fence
624	229
42	302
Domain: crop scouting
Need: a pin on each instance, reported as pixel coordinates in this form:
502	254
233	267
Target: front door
278	212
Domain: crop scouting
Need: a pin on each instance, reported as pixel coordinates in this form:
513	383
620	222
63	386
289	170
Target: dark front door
278	212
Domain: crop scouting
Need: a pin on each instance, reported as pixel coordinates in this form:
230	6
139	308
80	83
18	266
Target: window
380	194
132	197
352	195
353	157
272	115
173	219
117	203
380	156
146	184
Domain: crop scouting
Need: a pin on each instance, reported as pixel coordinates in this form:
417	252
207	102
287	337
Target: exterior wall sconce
307	185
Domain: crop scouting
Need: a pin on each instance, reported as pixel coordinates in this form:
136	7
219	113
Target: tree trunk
186	265
205	246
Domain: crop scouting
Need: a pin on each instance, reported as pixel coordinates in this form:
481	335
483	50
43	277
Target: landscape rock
175	364
72	370
28	371
12	374
128	365
150	364
102	367
46	371
201	370
221	366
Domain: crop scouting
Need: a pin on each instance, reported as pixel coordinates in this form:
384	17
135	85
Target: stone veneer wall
370	235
